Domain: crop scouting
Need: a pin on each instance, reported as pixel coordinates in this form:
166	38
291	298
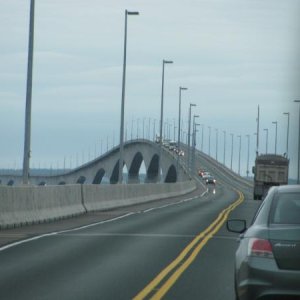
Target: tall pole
275	136
239	168
27	137
267	137
202	133
224	147
217	135
194	126
123	99
131	128
298	180
209	133
137	127
189	134
162	112
144	128
181	133
257	132
287	134
194	145
154	129
174	135
179	124
231	150
149	127
179	120
248	152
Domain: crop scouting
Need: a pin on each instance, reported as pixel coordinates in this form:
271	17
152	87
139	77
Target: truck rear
269	170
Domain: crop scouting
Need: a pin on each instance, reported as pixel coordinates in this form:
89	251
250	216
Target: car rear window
286	209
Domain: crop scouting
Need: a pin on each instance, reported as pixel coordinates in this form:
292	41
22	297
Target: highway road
173	249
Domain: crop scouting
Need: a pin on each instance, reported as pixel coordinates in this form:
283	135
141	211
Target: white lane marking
176	203
59	232
95	224
98	223
26	241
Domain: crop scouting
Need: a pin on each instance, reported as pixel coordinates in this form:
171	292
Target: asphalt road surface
173	249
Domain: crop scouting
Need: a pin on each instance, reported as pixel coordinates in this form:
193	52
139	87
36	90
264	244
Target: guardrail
25	205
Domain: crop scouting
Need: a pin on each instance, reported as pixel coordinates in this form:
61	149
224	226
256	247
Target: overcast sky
232	55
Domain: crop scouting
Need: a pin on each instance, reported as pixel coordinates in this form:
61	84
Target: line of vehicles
269	170
207	177
170	145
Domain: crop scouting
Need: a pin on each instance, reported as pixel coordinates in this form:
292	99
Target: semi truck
269	170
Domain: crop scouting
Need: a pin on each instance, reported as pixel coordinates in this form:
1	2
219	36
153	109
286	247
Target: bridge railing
35	204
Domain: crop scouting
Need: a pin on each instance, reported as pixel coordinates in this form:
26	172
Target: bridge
105	167
81	190
97	249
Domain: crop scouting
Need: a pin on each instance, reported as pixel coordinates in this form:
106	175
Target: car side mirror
236	225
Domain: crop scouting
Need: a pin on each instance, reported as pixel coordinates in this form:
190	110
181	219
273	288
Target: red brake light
260	248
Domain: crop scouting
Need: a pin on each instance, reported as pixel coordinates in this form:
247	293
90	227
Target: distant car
267	261
210	180
181	153
205	175
201	172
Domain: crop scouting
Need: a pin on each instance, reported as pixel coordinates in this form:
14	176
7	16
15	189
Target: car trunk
286	246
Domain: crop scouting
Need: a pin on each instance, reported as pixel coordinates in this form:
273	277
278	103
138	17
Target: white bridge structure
105	168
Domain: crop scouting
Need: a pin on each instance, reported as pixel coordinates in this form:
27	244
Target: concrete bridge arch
106	166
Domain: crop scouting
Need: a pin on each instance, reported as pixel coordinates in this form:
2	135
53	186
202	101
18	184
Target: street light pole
179	114
162	112
137	127
224	147
298	180
123	97
144	128
189	134
267	136
27	137
209	133
202	133
275	136
231	150
257	132
154	130
217	135
239	169
149	131
248	136
287	134
194	144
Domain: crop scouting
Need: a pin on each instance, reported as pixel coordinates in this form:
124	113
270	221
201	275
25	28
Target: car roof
292	188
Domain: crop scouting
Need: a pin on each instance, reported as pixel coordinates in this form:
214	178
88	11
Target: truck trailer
269	170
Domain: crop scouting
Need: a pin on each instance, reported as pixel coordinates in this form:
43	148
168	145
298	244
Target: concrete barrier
34	204
105	197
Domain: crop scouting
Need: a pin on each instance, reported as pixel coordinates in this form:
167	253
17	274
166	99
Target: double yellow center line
160	285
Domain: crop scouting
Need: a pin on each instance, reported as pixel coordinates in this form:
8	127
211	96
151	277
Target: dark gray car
267	264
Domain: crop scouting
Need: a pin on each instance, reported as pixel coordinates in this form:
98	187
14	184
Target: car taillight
260	248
